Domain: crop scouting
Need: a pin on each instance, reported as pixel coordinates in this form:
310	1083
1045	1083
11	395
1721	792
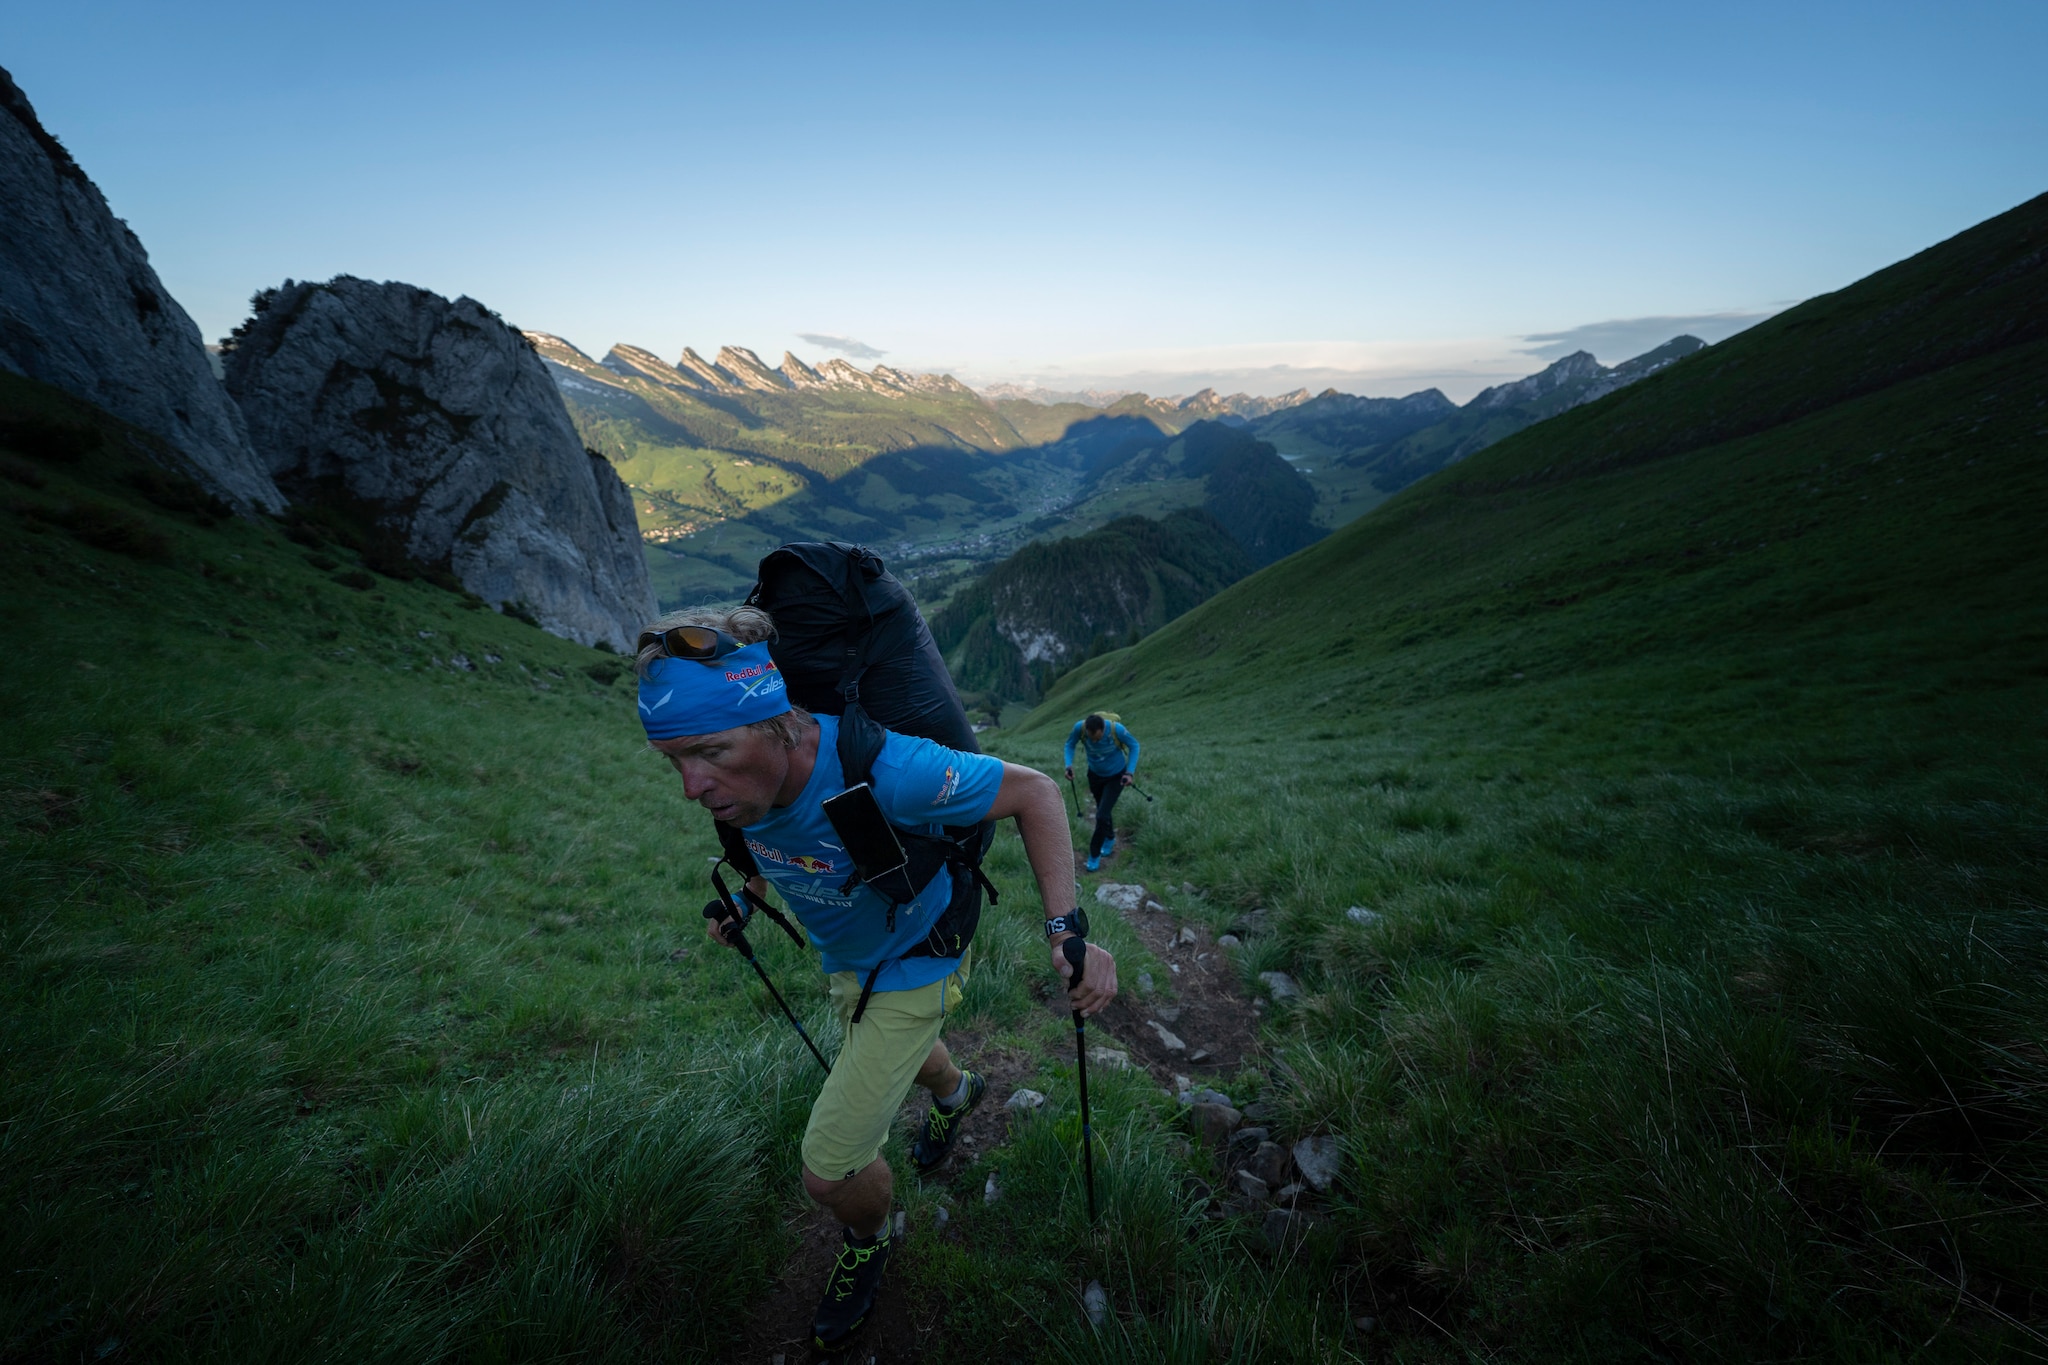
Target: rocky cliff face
439	423
80	308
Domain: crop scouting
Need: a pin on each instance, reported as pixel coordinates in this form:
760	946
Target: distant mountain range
1207	403
729	456
1359	450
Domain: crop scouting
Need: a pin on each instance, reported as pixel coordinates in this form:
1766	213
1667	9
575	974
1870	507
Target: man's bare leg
861	1201
938	1074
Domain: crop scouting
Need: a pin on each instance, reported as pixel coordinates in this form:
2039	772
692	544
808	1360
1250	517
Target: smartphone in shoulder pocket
868	837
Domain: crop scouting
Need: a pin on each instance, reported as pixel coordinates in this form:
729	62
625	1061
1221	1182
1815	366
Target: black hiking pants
1105	791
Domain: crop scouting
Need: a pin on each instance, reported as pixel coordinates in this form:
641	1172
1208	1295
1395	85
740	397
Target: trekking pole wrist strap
1074	922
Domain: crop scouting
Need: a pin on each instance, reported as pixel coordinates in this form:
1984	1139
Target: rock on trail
1120	896
1319	1159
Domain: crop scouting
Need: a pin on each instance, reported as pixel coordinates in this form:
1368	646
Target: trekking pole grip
732	933
1076	952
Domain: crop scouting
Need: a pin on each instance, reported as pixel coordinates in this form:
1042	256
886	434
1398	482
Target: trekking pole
1076	791
737	937
1076	951
1142	792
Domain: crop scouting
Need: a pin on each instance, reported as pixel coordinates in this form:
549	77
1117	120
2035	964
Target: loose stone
1120	895
1280	984
1271	1163
1319	1159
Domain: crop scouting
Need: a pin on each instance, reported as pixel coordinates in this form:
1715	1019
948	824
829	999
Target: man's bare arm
1034	801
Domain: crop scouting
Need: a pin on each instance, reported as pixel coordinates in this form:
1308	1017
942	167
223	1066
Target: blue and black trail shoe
942	1126
850	1291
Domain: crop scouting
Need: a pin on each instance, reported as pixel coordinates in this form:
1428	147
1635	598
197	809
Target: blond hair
748	625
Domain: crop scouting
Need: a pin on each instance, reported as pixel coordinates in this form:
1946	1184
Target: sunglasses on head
701	643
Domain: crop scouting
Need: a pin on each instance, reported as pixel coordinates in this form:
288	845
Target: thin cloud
1621	338
846	346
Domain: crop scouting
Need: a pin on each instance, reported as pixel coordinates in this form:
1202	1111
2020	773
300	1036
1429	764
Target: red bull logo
814	866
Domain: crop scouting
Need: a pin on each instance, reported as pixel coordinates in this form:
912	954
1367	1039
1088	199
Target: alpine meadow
1614	814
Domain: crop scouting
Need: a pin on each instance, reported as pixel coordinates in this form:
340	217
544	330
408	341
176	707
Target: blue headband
684	697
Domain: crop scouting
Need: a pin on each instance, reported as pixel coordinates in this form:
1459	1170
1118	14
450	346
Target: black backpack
849	642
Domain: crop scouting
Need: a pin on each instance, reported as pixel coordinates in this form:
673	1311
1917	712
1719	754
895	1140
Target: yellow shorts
874	1070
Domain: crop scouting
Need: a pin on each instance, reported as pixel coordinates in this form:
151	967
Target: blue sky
1379	196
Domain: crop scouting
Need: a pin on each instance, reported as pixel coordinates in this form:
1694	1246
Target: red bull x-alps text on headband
704	696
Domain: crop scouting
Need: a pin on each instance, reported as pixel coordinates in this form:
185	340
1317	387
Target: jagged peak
800	375
553	342
750	370
839	374
706	374
632	361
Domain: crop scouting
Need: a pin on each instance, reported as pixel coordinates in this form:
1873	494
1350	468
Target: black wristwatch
1074	922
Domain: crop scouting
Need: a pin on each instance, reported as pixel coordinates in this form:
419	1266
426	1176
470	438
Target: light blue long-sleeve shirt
1106	756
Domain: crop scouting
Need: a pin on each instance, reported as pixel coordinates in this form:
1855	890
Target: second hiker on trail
1112	765
714	703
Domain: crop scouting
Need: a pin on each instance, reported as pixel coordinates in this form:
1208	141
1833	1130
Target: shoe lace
939	1121
846	1270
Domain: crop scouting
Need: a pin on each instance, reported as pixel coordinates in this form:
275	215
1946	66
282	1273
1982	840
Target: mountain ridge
81	308
1371	448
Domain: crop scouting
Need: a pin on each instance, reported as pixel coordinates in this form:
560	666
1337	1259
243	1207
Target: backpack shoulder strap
860	744
732	841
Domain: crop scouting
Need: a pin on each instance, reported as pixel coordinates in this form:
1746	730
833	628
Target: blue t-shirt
1106	757
920	786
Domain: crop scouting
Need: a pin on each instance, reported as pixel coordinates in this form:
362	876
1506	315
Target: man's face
734	774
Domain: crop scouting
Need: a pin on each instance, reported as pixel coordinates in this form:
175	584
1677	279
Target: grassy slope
1689	747
1703	1019
355	1005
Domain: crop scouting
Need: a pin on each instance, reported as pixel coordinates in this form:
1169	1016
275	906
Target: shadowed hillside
1056	602
1650	810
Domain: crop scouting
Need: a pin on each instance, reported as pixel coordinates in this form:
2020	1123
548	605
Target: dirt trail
1207	1012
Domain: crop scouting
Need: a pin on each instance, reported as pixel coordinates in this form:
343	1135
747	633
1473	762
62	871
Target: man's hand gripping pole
732	928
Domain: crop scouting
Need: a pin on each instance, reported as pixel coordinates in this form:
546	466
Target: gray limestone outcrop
81	309
437	422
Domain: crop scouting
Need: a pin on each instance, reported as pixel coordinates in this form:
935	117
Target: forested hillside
1225	470
1057	602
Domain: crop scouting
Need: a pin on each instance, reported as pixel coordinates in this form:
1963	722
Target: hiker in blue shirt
1112	766
713	703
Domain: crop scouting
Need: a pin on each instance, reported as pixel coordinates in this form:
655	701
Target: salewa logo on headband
647	710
